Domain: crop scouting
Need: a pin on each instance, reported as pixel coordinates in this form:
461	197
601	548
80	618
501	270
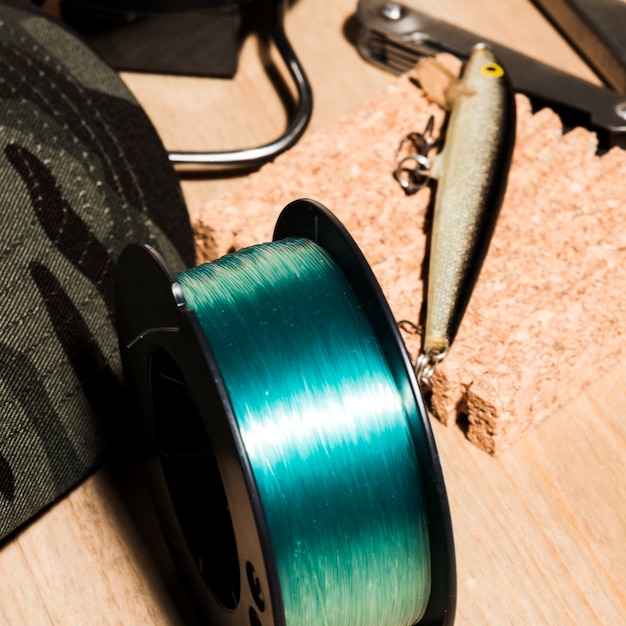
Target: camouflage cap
82	174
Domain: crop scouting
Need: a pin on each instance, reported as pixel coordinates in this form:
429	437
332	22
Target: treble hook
413	169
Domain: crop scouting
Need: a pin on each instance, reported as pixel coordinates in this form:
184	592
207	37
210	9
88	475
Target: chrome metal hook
426	364
413	165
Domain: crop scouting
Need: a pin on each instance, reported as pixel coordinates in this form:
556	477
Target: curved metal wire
257	156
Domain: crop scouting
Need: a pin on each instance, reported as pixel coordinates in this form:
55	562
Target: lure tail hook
426	364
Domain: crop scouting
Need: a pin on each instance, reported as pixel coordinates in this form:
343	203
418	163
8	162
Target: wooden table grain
540	532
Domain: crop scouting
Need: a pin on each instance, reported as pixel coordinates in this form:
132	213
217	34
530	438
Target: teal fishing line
325	430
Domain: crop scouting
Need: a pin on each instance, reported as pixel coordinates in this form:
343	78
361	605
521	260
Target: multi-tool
396	36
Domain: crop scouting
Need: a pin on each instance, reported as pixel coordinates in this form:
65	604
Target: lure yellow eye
492	69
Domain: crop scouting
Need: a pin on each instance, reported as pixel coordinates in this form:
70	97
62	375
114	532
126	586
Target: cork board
546	317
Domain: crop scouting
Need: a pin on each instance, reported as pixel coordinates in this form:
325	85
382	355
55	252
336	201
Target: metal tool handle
596	29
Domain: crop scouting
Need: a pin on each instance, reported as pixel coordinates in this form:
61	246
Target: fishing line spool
250	550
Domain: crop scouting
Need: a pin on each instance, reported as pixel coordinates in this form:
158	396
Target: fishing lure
471	172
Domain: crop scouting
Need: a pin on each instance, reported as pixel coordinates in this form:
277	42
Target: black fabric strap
82	174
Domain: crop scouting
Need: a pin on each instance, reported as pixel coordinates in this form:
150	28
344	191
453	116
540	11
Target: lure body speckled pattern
471	173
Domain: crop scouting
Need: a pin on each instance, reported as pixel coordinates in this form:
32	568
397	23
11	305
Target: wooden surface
540	532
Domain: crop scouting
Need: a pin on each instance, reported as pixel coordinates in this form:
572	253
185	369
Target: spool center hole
195	485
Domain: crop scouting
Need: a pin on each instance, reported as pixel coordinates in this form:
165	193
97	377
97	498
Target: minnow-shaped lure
471	173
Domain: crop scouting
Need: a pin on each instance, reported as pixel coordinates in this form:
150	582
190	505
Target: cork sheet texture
547	313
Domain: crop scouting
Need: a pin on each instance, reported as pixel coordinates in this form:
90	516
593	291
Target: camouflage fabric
82	174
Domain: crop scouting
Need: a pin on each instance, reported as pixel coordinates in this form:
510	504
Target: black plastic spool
196	459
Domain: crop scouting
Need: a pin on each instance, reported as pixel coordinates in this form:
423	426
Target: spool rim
152	316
